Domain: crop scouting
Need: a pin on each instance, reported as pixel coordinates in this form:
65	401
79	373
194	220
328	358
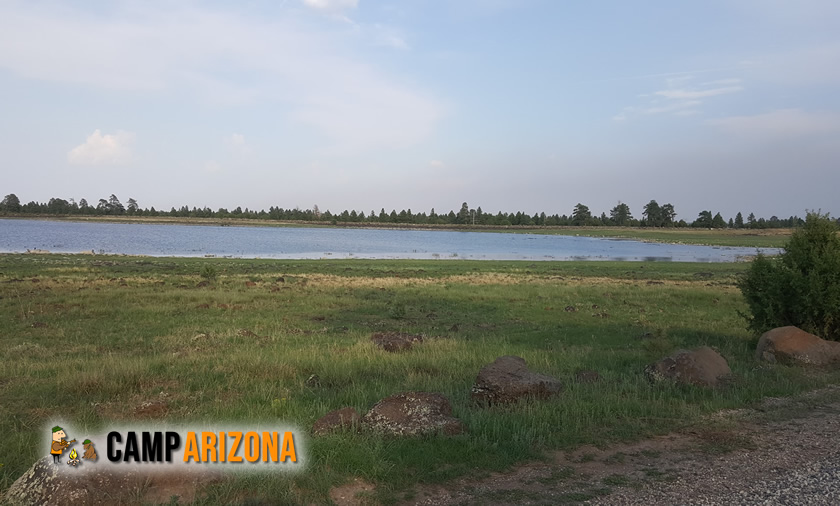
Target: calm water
270	242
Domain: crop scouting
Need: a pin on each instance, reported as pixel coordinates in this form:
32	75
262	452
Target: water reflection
301	243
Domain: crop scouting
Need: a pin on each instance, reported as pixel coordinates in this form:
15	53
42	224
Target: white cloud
687	112
779	124
437	163
306	75
670	107
212	167
723	82
694	94
237	144
671	82
389	37
680	99
331	4
682	108
98	149
236	140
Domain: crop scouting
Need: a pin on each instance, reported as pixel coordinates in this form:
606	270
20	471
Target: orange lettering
191	448
208	446
252	447
269	446
222	441
288	450
237	437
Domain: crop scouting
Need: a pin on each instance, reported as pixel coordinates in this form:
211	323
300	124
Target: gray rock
61	485
508	379
701	367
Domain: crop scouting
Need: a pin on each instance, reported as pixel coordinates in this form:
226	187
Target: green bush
801	286
208	272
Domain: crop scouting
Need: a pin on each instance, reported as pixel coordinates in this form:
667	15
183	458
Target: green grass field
766	238
91	338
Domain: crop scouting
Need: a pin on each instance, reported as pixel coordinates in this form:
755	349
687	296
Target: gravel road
795	462
786	452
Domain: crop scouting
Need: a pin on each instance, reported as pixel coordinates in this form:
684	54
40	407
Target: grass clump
208	272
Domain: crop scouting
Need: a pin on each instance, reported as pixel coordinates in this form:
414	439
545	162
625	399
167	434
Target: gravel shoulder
785	451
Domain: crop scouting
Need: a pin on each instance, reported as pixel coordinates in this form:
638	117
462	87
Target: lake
17	236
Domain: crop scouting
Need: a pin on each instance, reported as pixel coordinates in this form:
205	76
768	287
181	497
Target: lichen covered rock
413	414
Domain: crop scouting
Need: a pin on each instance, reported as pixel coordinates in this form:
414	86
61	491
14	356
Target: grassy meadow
92	338
758	238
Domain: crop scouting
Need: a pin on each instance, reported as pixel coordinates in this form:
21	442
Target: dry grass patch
491	278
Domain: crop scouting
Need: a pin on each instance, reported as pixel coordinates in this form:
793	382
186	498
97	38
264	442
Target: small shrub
801	286
397	311
208	272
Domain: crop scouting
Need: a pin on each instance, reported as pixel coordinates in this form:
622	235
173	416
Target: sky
510	105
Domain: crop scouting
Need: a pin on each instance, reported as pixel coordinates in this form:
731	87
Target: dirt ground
785	451
727	458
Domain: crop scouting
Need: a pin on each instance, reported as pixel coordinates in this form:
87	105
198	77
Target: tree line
653	215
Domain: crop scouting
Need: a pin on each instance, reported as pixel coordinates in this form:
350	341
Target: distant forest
652	215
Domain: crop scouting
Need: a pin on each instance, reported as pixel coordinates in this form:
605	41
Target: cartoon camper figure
58	443
90	451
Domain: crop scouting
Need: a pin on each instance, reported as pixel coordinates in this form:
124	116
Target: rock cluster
506	380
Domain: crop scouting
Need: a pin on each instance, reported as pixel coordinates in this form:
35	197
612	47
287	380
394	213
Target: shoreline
758	238
740	259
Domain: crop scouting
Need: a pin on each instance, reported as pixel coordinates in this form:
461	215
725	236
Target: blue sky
509	105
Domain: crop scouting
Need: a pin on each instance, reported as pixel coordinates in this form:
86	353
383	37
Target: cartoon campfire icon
74	458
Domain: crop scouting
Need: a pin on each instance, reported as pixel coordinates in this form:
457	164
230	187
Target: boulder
413	414
344	418
61	485
49	483
790	345
508	379
701	367
395	341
